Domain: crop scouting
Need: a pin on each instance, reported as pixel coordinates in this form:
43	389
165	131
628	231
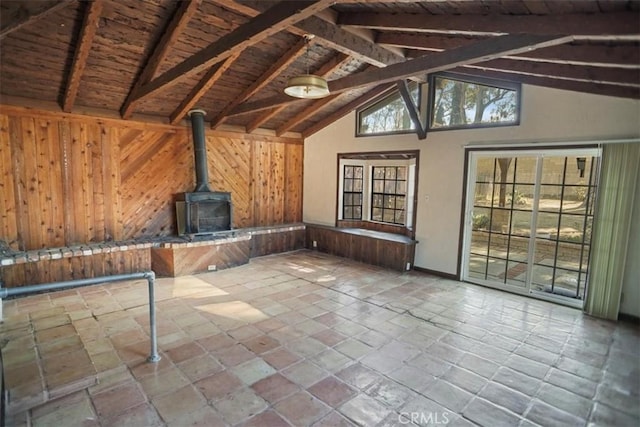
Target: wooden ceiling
233	58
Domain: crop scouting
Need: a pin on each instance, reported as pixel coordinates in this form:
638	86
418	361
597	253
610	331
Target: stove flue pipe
199	150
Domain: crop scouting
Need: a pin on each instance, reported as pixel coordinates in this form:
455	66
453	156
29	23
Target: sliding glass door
529	216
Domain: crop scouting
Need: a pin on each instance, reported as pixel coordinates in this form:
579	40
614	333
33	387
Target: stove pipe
199	150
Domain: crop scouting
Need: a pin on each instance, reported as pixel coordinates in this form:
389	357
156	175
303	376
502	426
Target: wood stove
202	211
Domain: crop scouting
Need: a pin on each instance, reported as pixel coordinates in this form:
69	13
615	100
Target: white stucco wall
547	116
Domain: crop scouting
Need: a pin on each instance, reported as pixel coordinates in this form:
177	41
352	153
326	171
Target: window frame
408	158
378	100
353	192
484	81
384	193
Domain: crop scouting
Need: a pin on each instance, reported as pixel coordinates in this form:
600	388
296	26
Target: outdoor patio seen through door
529	217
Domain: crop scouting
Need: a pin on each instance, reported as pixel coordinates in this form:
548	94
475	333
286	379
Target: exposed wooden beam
329	34
274	20
412	108
618	76
203	86
306	113
349	43
594	24
314	107
573	85
271	73
325	71
626	55
172	31
83	47
480	51
16	15
346	109
263	118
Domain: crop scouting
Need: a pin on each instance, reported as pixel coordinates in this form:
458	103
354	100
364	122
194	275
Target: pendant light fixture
307	86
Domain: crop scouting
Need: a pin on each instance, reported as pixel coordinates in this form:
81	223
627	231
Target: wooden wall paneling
76	177
96	176
111	183
150	176
8	207
33	180
54	181
17	163
277	183
293	183
64	138
260	179
229	161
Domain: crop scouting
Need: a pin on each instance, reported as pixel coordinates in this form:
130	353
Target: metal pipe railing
150	277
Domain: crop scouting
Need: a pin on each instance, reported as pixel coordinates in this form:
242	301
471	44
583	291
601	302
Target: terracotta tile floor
309	339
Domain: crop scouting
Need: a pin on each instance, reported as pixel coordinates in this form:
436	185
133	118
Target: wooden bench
379	248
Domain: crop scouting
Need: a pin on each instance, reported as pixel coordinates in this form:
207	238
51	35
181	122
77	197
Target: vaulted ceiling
233	58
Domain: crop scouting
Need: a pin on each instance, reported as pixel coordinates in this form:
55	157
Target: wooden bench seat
379	248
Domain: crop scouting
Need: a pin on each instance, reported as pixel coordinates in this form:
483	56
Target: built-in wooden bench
379	248
168	256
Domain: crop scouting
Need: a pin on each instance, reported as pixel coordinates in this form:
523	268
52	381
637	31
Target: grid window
388	195
352	192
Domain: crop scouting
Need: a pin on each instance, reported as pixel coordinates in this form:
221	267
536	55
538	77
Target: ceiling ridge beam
88	30
481	51
346	109
265	78
277	18
202	87
325	71
18	18
179	21
611	23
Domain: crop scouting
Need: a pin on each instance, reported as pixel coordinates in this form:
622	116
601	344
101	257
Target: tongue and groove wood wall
70	179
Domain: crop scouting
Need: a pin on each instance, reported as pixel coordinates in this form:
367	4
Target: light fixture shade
307	86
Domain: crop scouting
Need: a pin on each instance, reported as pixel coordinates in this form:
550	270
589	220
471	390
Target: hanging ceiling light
307	86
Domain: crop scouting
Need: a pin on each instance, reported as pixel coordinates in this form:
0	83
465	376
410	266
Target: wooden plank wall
70	179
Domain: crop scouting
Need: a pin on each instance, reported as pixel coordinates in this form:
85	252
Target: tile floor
308	339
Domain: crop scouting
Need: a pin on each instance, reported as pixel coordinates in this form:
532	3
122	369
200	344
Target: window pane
388	215
357	199
358	172
390	173
399	202
401	187
458	103
348	212
390	187
348	199
389	114
402	173
376	214
357	185
376	201
348	171
357	212
378	173
348	185
378	186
